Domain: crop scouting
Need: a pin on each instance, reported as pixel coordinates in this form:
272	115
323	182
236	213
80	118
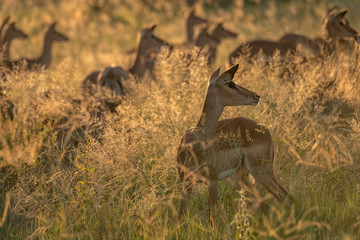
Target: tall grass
74	170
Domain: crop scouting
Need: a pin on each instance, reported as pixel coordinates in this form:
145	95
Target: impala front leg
213	192
188	187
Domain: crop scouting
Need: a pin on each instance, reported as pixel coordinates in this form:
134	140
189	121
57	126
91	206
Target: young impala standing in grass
214	150
51	35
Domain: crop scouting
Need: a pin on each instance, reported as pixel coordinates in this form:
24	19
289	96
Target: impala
148	46
7	34
191	22
335	25
51	36
215	150
204	39
219	33
112	77
339	34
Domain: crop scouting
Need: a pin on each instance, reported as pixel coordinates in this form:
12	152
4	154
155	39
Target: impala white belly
228	162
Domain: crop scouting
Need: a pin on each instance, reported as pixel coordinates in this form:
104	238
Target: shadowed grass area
74	170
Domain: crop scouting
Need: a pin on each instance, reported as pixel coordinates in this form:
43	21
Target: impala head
205	39
55	35
149	43
226	92
336	26
221	33
10	32
193	20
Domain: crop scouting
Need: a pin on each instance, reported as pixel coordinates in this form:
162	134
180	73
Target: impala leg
188	188
277	190
213	193
251	192
263	173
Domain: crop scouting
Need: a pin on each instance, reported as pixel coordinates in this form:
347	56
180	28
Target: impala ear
6	20
232	70
332	10
342	13
53	24
228	75
152	27
215	74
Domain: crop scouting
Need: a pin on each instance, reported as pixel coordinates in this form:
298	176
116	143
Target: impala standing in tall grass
215	150
336	29
51	36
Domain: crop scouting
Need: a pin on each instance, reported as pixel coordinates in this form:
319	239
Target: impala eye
232	85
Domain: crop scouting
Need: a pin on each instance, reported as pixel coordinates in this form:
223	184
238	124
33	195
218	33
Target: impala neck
331	43
45	57
5	45
139	66
190	32
216	37
6	49
210	116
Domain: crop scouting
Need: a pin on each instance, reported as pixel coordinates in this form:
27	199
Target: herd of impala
213	150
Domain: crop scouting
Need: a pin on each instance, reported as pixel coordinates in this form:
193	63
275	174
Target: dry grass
74	173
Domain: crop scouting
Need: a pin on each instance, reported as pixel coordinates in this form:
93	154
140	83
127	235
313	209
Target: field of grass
115	177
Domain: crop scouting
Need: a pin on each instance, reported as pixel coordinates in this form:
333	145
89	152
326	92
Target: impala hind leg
251	192
268	180
277	190
263	173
